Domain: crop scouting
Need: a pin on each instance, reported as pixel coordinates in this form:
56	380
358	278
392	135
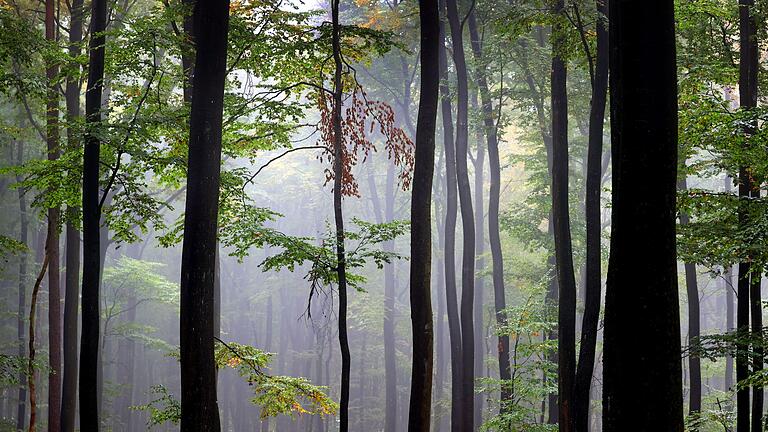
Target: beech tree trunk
467	220
643	363
21	410
748	68
390	360
694	324
72	277
52	240
451	210
419	415
566	316
89	340
199	407
593	279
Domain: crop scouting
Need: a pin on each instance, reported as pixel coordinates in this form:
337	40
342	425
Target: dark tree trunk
452	309
500	302
31	357
21	413
341	266
52	242
756	312
593	283
748	67
566	315
72	281
467	219
479	163
694	323
199	410
89	340
419	415
643	363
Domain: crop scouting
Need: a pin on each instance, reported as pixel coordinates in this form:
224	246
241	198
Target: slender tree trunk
341	266
390	361
89	341
566	315
748	68
729	326
199	408
694	323
419	416
454	327
593	279
500	303
480	265
758	359
643	363
72	281
467	218
21	414
31	357
52	245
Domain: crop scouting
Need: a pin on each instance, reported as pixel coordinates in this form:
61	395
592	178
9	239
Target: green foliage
163	409
275	394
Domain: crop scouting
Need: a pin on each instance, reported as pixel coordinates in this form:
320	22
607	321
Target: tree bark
341	267
454	326
52	245
31	357
419	415
748	67
199	407
467	219
643	363
494	237
593	279
694	323
21	414
566	315
89	341
72	281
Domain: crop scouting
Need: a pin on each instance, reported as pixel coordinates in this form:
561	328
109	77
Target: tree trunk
454	327
199	410
729	327
341	267
748	67
500	302
467	219
390	360
480	265
52	242
21	414
419	416
593	278
694	323
31	357
566	315
89	341
72	281
643	363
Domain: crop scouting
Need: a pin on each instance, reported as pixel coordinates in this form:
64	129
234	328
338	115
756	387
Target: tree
52	245
642	364
566	281
467	219
694	321
92	202
449	251
199	407
748	296
593	277
72	258
419	416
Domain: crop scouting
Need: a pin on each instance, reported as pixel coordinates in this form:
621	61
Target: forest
383	215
